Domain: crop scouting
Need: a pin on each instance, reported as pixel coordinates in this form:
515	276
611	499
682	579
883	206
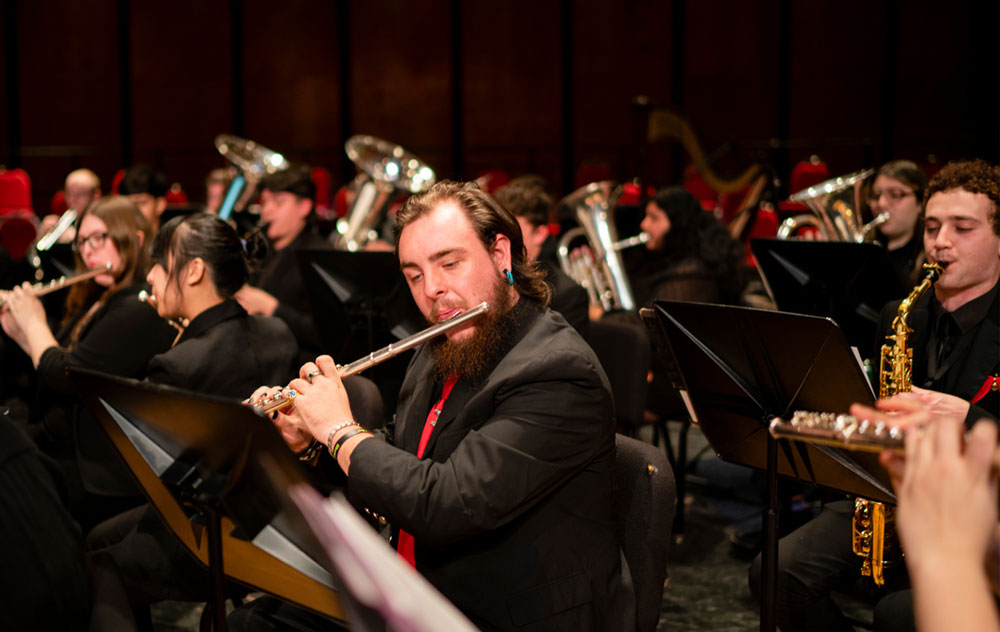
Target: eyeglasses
894	195
94	240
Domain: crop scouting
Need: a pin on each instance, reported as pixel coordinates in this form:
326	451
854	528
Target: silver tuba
598	268
254	162
835	214
386	170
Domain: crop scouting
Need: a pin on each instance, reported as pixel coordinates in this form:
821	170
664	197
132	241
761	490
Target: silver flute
285	397
41	289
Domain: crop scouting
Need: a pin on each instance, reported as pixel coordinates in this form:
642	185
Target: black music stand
216	472
363	303
738	368
360	295
844	281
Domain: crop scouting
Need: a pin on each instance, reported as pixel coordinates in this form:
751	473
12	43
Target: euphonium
834	213
386	170
254	163
600	271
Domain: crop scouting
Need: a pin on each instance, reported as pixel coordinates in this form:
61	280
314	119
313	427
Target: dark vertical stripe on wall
890	72
457	102
11	85
237	61
125	80
678	43
784	106
347	168
568	149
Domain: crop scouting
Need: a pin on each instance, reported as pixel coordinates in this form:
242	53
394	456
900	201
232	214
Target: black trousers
815	560
153	563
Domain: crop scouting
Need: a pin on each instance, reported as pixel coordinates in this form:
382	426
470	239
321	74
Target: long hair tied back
228	259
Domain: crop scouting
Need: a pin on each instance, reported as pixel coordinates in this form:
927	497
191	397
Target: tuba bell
253	162
385	171
835	213
598	268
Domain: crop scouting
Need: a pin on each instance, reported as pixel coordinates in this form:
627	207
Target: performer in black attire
526	199
898	189
44	581
200	264
502	495
690	256
147	188
277	288
956	361
106	328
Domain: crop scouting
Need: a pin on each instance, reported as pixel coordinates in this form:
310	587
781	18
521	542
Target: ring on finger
312	374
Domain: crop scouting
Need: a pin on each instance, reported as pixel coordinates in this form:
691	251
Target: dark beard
472	357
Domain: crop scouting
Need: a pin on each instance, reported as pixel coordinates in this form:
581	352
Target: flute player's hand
285	420
322	401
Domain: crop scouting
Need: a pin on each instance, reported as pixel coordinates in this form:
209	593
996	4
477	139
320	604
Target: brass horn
599	268
386	170
835	212
253	161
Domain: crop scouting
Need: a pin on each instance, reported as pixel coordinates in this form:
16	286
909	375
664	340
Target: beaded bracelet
309	454
340	442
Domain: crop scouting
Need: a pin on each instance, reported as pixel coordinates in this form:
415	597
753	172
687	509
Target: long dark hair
227	258
697	233
124	222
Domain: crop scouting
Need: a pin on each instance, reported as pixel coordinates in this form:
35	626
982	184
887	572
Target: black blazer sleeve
121	339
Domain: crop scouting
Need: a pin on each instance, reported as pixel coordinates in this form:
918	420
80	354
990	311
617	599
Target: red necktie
405	545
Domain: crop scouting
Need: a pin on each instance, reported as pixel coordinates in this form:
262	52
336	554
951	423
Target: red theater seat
17	233
176	195
15	192
58	206
492	180
324	186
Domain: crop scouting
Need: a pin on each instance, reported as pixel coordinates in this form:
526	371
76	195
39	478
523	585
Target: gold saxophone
873	537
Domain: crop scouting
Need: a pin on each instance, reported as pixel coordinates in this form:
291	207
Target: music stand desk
845	281
349	287
201	462
738	368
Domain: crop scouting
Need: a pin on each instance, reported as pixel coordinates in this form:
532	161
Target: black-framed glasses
894	195
94	240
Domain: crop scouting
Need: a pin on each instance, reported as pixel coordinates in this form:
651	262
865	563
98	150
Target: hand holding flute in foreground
23	319
946	486
320	416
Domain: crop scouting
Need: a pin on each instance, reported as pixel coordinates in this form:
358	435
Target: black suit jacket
569	298
120	338
511	507
226	352
281	277
974	358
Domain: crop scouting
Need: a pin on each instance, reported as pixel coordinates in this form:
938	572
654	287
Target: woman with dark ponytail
199	262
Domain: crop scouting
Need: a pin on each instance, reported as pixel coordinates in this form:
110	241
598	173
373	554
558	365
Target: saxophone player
956	362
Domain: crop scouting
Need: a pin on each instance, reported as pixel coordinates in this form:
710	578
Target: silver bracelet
336	429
